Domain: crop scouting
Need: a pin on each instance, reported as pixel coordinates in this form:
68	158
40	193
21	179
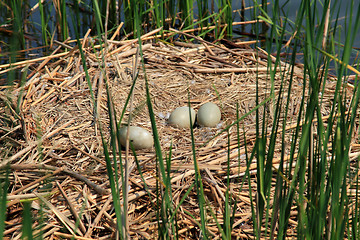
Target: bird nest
56	149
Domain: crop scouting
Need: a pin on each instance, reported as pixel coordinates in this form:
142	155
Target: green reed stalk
198	182
131	8
18	37
112	17
227	228
353	228
44	23
114	133
343	134
4	187
229	19
316	181
187	12
171	10
164	201
225	17
166	221
265	159
203	12
159	13
27	232
99	22
118	183
216	18
62	23
129	18
283	203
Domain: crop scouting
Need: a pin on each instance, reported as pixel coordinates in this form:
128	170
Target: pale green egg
180	117
139	137
209	115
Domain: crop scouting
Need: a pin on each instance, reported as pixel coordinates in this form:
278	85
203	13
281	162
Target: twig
23	63
33	183
94	186
25	196
223	61
215	184
134	50
234	70
71	206
66	222
98	217
127	160
134	41
89	155
43	63
69	236
209	43
34	144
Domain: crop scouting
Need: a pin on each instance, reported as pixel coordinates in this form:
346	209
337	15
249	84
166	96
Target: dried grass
66	168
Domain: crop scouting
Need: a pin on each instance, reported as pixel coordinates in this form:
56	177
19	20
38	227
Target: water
340	12
34	38
290	9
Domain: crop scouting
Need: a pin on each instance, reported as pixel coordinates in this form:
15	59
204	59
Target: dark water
340	11
33	37
290	9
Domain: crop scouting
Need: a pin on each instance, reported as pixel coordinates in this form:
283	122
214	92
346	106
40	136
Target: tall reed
4	187
316	178
313	179
62	22
152	14
44	23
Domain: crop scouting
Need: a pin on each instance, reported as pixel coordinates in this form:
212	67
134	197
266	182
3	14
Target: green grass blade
198	182
27	222
4	186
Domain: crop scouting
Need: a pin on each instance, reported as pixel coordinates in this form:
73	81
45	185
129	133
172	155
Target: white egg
180	117
209	115
139	137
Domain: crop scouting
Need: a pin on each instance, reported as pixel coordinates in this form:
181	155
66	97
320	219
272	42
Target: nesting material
57	108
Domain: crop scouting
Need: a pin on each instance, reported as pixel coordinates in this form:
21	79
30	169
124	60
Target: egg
180	117
209	115
139	137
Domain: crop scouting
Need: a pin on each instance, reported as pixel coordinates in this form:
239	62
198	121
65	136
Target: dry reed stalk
72	208
70	236
133	41
232	70
326	25
221	60
46	60
32	184
32	145
25	196
10	69
249	8
209	43
89	155
28	62
117	32
94	186
65	221
133	51
147	38
98	217
171	75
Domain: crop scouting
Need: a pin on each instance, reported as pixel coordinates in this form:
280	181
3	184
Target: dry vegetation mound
55	148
